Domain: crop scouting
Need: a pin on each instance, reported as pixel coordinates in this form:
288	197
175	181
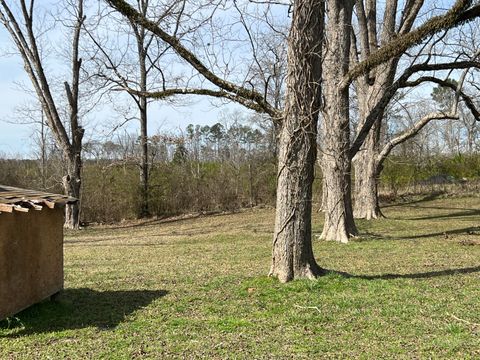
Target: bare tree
19	22
371	87
134	67
292	249
367	160
375	84
339	223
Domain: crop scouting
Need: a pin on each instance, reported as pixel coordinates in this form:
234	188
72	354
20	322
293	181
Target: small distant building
31	247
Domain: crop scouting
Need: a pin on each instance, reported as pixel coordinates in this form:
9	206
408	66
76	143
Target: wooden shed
31	247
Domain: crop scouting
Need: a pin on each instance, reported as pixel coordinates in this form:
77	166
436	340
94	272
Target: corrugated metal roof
17	199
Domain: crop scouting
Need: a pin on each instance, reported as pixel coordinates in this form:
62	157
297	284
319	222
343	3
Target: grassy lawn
409	287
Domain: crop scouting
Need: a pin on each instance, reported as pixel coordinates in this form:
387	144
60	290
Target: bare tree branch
402	81
411	132
237	91
459	92
457	15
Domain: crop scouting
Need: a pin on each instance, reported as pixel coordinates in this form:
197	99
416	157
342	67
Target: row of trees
339	54
195	177
221	168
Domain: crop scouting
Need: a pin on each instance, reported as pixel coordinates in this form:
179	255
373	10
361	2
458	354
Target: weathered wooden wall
31	258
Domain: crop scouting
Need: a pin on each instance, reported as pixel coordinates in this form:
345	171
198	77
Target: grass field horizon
407	287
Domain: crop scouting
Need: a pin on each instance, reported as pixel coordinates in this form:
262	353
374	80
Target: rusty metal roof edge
10	195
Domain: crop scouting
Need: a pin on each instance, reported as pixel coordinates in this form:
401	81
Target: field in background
409	287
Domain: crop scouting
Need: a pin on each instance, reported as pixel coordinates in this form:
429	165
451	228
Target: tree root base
309	271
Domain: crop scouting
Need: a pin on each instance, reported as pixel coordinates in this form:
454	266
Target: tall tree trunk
72	183
292	243
73	179
142	103
366	205
43	152
370	91
339	223
371	88
144	167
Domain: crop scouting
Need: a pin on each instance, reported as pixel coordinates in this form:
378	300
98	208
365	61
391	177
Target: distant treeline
208	168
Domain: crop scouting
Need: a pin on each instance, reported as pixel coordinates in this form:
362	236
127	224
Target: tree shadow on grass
369	236
423	275
471	230
429	197
464	213
365	236
77	309
172	219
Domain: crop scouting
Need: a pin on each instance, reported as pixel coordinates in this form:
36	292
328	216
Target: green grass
409	287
